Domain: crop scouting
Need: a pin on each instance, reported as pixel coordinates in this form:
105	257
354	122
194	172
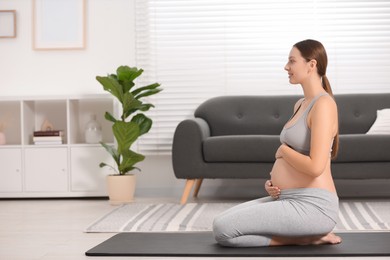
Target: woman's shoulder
326	100
325	104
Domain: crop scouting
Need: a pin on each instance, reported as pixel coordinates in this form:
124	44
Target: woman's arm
323	123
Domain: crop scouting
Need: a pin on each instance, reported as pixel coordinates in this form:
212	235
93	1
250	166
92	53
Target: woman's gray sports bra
297	136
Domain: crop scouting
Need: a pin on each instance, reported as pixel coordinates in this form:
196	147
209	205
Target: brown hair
314	50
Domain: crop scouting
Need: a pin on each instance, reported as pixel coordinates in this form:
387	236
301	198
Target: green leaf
139	90
127	85
125	73
113	152
113	76
112	86
148	93
130	158
146	107
109	117
130	104
101	165
126	77
143	108
125	134
144	122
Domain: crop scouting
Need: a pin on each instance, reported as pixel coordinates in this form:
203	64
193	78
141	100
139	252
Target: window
199	49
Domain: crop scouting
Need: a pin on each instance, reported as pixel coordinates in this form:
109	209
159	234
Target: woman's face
297	67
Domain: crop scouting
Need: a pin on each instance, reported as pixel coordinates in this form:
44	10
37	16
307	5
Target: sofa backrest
246	115
266	115
357	112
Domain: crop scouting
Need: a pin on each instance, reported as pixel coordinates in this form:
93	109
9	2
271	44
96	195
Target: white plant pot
121	188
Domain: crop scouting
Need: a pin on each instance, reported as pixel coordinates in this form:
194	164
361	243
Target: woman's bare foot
330	238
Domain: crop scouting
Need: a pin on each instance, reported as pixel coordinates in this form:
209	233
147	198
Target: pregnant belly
285	176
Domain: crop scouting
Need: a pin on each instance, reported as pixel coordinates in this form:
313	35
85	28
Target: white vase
93	131
2	138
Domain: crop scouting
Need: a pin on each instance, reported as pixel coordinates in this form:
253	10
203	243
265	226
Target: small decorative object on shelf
93	131
48	137
46	126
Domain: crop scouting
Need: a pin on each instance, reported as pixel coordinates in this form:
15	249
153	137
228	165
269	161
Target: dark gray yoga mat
202	244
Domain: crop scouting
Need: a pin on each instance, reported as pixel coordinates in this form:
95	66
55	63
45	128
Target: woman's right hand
273	191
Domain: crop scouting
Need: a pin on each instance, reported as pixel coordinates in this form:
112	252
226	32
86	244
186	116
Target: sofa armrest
187	155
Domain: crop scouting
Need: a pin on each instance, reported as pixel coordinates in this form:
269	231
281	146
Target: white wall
110	43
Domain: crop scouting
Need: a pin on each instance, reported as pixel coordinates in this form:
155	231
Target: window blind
200	49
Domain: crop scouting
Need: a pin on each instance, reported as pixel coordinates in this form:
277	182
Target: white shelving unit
70	169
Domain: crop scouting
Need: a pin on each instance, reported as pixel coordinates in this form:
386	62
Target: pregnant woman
303	205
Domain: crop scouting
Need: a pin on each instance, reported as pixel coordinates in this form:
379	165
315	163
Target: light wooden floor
53	229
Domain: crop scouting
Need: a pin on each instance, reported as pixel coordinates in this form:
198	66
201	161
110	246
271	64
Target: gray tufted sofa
237	137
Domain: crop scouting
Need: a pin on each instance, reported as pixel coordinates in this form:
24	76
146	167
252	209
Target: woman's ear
313	63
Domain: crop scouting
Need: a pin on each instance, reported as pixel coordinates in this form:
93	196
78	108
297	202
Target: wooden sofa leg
187	191
197	187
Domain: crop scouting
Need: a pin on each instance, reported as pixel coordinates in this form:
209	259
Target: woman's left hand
272	190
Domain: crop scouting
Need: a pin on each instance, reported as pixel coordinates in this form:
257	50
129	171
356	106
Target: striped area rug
170	217
364	216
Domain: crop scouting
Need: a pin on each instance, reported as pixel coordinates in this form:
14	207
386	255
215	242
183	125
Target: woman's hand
273	191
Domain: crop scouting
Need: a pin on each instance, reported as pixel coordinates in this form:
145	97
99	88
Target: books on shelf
48	137
47	142
49	133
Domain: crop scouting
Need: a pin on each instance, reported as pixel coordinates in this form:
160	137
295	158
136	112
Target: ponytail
328	89
326	85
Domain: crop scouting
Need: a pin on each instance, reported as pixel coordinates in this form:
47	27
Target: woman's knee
218	228
221	233
228	234
221	229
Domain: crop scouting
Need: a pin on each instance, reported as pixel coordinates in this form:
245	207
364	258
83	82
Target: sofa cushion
357	112
382	123
247	115
262	148
241	148
363	148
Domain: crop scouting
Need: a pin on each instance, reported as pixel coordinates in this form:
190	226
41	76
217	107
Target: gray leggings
297	212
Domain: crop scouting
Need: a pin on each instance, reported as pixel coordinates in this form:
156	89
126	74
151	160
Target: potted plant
127	128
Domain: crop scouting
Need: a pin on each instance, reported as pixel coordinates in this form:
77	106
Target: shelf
7	146
36	112
80	112
10	121
53	170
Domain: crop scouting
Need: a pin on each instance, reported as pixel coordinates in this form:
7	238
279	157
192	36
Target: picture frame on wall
59	24
7	23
